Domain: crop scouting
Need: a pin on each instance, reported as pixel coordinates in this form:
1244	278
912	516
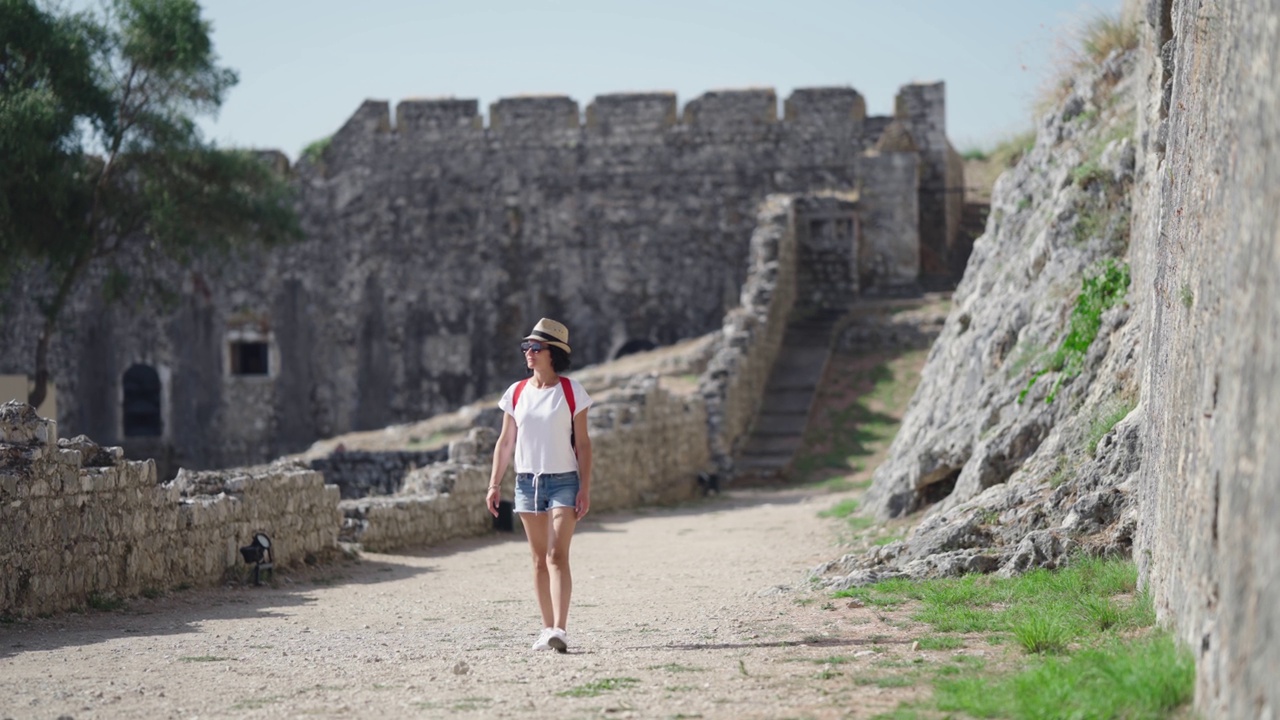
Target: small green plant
1039	633
203	658
1106	419
599	687
1023	203
842	509
975	154
1188	298
314	151
152	593
1088	173
1098	293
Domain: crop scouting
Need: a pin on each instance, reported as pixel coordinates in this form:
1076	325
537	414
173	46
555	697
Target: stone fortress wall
433	242
77	521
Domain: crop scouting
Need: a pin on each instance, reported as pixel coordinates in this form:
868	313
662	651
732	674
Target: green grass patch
1076	628
885	540
1099	292
842	509
1146	678
940	642
599	687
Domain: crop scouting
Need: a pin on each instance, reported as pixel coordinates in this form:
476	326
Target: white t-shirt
544	426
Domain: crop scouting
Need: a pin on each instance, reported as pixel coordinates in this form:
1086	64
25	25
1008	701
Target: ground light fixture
260	555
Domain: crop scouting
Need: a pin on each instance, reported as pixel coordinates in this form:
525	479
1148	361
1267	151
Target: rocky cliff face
1015	446
1160	167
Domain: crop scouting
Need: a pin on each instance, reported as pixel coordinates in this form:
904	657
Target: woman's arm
582	444
502	454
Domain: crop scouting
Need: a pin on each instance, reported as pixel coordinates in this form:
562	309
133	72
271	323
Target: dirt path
698	611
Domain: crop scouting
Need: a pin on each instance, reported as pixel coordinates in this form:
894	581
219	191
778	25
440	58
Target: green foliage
1148	678
1077	626
1098	293
940	642
975	154
127	85
1187	297
1088	173
842	509
314	151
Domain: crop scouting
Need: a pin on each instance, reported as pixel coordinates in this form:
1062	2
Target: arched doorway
634	346
141	407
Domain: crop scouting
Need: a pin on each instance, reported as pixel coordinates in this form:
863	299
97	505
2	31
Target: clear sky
305	66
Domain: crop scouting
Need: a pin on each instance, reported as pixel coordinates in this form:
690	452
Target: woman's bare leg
559	535
537	527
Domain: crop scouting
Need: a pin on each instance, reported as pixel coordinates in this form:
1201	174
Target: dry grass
1086	46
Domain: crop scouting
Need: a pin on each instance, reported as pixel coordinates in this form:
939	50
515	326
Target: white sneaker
559	640
542	642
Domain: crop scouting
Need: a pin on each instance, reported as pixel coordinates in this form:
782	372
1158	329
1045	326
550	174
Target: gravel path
697	611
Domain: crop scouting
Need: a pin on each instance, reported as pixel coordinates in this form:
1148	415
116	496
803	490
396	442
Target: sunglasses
532	346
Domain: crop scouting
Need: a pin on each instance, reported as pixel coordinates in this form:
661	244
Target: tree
126	84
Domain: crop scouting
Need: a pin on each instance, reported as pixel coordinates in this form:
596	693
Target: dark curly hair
559	359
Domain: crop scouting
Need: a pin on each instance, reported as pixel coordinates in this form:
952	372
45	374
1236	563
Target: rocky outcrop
1016	451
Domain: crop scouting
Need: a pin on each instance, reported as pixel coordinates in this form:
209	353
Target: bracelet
496	487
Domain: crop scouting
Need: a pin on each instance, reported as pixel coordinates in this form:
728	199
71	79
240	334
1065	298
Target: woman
545	426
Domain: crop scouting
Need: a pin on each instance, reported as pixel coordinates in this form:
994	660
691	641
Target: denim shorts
540	493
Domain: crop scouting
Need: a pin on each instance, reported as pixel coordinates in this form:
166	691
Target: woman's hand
492	499
583	503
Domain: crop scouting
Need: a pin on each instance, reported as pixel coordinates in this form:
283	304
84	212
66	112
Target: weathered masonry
432	241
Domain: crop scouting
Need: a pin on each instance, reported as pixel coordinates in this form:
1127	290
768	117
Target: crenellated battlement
534	113
632	111
426	116
733	108
652	112
825	104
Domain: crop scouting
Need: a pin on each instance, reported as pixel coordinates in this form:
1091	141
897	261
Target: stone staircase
778	432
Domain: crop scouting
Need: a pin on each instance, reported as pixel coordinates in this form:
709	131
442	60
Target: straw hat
552	333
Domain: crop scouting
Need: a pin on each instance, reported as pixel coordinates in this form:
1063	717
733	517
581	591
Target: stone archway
634	345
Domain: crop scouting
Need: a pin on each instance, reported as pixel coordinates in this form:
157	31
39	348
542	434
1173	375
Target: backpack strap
515	396
567	387
568	395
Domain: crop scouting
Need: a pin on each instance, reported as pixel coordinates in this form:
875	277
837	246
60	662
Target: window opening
250	358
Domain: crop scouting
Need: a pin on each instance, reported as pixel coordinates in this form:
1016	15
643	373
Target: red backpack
567	387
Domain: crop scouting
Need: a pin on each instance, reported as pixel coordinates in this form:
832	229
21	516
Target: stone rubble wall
360	473
733	385
648	446
78	522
